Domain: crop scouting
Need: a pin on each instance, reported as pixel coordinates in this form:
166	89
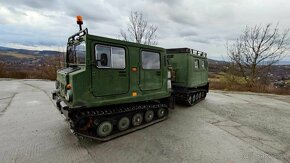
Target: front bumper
59	103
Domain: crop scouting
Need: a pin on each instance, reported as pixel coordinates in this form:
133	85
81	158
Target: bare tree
139	31
256	50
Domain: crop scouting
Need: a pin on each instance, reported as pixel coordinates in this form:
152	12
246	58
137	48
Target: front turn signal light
134	69
134	94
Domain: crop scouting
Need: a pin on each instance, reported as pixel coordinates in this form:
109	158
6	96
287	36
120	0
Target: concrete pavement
226	127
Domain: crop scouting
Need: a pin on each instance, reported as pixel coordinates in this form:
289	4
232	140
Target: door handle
158	73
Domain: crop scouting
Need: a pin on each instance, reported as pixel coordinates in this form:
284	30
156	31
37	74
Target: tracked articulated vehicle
190	75
110	87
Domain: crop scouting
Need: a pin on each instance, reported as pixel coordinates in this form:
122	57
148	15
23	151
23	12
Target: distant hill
213	61
283	63
28	60
10	53
29	52
16	60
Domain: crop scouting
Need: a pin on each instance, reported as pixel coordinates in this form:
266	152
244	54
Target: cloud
200	24
198	40
96	11
184	32
35	4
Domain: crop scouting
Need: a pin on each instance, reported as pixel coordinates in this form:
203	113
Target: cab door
150	71
110	75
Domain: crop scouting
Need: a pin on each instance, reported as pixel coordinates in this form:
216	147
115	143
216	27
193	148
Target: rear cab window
150	60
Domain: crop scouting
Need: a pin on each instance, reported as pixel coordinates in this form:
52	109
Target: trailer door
197	73
150	71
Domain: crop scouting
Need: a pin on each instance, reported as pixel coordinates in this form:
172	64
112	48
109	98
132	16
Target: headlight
69	95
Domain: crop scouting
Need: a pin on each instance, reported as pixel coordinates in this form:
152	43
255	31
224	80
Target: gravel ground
225	127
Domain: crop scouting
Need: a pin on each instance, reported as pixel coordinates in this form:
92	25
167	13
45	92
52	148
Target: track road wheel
149	115
189	100
193	98
137	119
161	112
104	129
196	97
199	95
123	123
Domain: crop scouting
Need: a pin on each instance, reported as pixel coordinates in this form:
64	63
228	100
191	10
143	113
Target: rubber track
123	132
111	113
181	98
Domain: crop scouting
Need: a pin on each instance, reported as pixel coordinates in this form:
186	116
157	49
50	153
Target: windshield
77	53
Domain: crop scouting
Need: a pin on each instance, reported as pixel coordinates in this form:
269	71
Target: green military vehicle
110	87
189	75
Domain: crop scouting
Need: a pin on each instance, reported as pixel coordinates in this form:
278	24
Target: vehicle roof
192	52
116	41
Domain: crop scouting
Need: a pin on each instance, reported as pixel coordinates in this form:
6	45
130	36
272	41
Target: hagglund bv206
110	87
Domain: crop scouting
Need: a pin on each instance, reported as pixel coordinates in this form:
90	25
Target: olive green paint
186	73
93	86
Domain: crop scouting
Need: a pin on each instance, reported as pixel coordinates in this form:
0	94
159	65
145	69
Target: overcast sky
199	24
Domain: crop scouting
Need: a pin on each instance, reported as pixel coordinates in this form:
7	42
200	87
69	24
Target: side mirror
104	59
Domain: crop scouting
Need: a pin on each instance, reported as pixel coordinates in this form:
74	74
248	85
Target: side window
196	64
103	56
118	58
110	57
150	60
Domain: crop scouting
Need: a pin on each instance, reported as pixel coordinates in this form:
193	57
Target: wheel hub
123	123
149	115
161	112
104	129
137	119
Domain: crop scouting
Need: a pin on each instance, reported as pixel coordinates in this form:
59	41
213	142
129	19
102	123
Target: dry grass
46	71
18	55
232	83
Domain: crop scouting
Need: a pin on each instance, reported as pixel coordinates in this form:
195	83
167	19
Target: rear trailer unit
189	69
